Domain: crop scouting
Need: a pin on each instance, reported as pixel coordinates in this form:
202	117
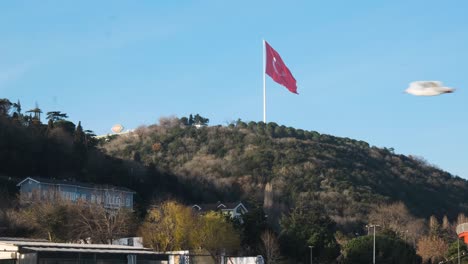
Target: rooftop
75	183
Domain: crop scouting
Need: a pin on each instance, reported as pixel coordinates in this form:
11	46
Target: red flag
277	70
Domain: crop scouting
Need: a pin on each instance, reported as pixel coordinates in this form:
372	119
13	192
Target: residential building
110	197
235	210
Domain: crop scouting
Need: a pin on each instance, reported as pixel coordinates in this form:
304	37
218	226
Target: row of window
108	199
112	200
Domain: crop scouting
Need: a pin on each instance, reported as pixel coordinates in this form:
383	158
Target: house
235	210
42	189
19	251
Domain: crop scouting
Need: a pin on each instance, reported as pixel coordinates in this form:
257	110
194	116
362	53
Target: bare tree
102	225
432	249
49	220
396	217
270	246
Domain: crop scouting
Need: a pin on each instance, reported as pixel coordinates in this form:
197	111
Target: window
93	198
127	201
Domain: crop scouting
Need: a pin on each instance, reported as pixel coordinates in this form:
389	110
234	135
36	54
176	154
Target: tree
5	106
91	140
80	137
101	225
389	249
64	221
432	249
184	121
48	219
17	116
50	125
67	126
190	120
17	106
56	116
254	224
454	248
270	246
217	234
170	226
434	226
397	218
308	225
200	120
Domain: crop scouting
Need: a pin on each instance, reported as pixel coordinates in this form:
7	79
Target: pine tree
434	226
190	121
80	138
50	126
445	223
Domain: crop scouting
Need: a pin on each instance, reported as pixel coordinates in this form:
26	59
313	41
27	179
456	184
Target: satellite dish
117	128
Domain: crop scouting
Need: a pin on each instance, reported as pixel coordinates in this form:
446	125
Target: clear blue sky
131	62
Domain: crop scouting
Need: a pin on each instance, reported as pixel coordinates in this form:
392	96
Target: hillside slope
281	165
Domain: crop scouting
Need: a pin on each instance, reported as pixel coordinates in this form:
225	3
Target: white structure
129	241
244	260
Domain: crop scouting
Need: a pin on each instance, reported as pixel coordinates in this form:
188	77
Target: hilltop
281	166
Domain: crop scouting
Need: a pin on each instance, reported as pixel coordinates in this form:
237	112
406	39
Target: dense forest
301	187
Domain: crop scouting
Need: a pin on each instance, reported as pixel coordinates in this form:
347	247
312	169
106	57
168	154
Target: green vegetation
390	249
347	176
303	188
308	225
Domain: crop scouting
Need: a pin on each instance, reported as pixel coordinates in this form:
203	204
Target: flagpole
264	85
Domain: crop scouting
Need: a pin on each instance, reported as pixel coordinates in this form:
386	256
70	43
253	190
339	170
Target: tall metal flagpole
264	85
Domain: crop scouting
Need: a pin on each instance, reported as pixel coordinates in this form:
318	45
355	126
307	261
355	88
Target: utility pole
311	255
373	252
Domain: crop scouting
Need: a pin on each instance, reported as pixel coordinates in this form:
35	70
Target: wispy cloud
13	73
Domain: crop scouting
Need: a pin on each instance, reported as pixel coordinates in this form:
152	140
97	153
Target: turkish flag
277	70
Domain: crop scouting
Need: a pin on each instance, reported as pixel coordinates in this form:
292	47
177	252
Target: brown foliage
396	217
101	225
64	221
432	249
156	147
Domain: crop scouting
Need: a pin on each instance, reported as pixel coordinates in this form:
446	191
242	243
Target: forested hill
282	166
279	167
